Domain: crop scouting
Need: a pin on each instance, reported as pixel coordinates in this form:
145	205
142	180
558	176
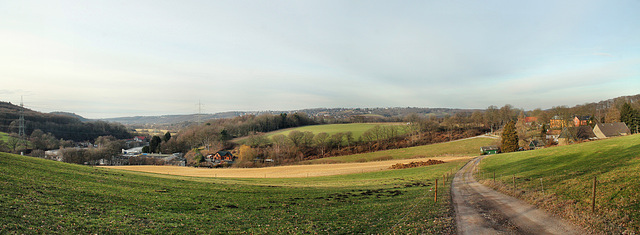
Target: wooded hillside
62	126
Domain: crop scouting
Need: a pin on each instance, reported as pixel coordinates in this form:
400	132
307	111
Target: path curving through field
482	210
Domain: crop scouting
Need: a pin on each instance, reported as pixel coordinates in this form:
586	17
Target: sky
102	59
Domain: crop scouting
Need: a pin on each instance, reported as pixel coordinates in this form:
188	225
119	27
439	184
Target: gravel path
482	210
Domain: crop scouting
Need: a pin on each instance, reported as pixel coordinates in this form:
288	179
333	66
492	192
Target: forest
61	126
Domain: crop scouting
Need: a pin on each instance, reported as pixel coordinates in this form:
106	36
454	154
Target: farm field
356	128
566	174
42	196
464	147
281	171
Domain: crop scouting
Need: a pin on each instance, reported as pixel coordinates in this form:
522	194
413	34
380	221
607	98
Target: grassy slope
356	128
462	147
4	136
567	173
40	196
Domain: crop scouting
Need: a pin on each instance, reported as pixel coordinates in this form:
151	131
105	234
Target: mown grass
455	148
41	196
357	129
567	175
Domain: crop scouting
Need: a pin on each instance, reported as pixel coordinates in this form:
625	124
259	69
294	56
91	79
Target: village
559	132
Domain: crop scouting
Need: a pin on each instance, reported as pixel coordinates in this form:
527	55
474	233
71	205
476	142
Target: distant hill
337	113
63	125
81	118
317	112
171	119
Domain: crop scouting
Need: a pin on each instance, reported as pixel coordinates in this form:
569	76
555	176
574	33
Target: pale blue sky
125	58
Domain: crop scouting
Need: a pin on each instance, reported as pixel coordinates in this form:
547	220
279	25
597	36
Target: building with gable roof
608	130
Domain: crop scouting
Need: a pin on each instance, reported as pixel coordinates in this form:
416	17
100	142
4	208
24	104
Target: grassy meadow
41	196
567	175
4	137
356	128
467	147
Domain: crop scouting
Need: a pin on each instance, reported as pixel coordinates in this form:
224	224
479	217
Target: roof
613	129
536	143
487	148
554	132
530	119
583	118
579	132
224	153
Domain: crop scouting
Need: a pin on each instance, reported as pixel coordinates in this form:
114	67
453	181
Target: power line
199	113
21	128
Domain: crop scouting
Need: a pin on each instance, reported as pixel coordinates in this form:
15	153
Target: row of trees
38	140
297	146
108	147
216	134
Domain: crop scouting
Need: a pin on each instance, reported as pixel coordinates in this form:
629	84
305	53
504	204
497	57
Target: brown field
281	171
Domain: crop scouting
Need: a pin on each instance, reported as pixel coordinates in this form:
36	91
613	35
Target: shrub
416	164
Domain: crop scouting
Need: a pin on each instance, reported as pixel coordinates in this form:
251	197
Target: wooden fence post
593	199
435	198
542	185
443	181
494	177
514	183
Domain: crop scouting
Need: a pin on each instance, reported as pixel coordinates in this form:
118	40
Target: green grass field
4	136
567	174
356	128
468	147
41	196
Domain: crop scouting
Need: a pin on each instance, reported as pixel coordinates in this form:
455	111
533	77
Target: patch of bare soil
279	171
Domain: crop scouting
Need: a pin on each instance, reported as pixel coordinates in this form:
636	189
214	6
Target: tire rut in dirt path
482	210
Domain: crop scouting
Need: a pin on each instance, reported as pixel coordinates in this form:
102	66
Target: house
552	135
607	130
581	120
486	150
221	156
578	133
557	122
528	120
536	144
140	138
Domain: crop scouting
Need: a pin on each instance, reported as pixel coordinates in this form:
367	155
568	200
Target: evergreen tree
629	116
543	133
154	144
509	138
167	136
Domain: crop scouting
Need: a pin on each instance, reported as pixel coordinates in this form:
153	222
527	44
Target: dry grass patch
279	171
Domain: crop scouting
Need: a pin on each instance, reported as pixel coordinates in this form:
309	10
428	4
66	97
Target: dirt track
482	210
280	171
